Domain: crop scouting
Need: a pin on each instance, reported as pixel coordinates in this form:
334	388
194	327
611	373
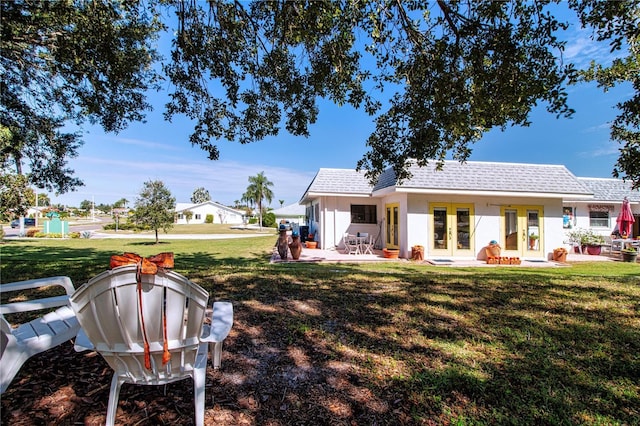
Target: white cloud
108	180
582	48
608	150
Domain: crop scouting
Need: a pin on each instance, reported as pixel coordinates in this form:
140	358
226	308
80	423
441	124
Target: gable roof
291	210
471	177
338	182
180	207
609	189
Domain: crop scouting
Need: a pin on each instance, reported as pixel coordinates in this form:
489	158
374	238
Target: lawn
396	343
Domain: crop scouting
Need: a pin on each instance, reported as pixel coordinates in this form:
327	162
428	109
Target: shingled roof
455	176
339	181
607	189
489	177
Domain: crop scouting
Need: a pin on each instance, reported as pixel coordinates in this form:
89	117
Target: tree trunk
157	237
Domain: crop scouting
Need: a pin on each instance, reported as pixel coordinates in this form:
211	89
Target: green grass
206	228
399	343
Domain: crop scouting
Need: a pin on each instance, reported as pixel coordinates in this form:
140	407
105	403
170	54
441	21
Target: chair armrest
82	342
221	322
37	304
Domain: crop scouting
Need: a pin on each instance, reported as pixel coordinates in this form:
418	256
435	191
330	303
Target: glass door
393	225
521	233
452	229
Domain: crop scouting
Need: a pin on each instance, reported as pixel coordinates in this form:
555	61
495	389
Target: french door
393	225
452	226
521	231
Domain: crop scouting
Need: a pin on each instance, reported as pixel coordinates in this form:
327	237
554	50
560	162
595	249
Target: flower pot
311	244
594	250
417	252
390	253
629	257
560	255
295	247
282	244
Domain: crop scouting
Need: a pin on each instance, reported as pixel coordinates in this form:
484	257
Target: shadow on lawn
335	344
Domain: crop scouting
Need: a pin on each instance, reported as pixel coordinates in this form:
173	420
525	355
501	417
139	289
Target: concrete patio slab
337	256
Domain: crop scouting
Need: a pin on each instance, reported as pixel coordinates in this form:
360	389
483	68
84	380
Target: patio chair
606	246
17	345
351	245
149	329
366	244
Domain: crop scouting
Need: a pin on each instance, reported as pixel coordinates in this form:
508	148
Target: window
180	216
198	216
363	213
599	219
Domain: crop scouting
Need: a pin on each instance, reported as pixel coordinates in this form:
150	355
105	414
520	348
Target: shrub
269	220
209	218
125	226
31	232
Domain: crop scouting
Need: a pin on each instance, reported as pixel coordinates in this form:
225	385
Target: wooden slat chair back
112	311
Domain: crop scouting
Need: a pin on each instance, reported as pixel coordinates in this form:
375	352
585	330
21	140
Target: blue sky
116	166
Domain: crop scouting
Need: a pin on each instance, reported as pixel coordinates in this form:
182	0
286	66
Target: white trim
337	194
390	190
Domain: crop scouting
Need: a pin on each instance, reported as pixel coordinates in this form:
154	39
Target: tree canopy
259	189
200	195
63	63
434	75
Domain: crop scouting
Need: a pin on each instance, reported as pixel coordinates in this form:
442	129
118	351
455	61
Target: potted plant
311	243
629	254
532	241
577	237
593	242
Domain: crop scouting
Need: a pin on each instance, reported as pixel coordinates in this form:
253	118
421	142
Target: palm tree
257	191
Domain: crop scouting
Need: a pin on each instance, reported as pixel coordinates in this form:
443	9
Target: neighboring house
453	212
294	213
36	212
220	213
600	212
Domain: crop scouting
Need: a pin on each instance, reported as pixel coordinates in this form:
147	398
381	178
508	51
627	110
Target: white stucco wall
486	225
228	216
415	220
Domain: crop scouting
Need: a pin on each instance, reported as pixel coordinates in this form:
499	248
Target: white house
220	213
456	211
294	213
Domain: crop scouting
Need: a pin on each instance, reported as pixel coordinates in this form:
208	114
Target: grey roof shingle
489	176
456	176
340	181
608	189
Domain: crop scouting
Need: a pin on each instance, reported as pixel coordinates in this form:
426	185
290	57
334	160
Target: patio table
619	243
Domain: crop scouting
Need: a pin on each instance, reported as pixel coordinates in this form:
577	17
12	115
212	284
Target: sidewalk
175	236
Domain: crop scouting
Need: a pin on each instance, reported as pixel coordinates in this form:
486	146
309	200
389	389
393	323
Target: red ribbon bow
147	266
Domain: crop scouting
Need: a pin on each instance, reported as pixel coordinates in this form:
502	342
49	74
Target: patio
337	256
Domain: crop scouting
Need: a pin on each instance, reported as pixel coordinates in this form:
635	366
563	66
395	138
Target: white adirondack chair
17	345
112	311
